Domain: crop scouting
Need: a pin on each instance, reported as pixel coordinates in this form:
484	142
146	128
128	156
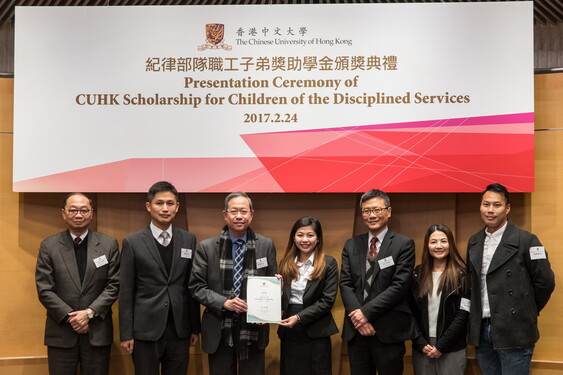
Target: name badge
101	261
465	304
537	252
261	263
186	253
386	262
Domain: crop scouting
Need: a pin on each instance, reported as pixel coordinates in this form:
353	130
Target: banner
280	98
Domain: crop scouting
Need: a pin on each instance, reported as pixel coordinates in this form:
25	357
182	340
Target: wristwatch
90	313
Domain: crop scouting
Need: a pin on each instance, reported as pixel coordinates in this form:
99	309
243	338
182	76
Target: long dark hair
288	269
454	276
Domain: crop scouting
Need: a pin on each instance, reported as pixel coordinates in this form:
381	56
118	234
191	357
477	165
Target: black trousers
169	355
367	355
225	361
93	360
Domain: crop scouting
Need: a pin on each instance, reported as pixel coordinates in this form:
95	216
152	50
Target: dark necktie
77	240
237	267
370	264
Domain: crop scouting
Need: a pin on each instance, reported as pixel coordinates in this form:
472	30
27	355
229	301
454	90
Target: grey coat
60	290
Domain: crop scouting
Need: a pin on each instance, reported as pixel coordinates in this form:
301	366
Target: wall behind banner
27	218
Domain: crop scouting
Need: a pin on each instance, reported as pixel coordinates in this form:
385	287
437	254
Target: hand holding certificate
264	299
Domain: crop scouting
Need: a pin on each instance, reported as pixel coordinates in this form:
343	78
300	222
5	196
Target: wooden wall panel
27	218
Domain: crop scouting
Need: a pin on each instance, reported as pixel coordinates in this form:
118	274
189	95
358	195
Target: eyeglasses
242	212
82	211
376	211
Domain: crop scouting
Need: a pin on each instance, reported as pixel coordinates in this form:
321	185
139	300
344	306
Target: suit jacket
206	286
518	288
61	292
148	292
319	296
386	307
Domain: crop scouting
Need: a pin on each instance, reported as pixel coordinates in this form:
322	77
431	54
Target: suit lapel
476	252
506	249
153	250
360	257
176	241
69	258
383	253
93	251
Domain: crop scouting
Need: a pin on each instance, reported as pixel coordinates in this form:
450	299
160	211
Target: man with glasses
374	281
221	266
158	318
77	279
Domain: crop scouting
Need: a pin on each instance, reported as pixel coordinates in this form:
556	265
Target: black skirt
301	355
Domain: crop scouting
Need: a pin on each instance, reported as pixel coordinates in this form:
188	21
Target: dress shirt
157	231
298	286
82	236
489	247
380	238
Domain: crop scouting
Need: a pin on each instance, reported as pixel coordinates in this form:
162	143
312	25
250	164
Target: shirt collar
496	235
233	238
310	260
157	231
380	236
82	237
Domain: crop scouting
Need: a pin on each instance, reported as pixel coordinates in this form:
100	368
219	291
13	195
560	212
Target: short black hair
375	193
161	187
497	188
77	193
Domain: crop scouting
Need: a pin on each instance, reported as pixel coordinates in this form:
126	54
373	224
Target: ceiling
545	11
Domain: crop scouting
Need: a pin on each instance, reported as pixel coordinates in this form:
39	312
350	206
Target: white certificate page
264	299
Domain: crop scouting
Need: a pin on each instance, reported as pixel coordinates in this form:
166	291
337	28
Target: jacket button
509	292
513	311
508	273
166	304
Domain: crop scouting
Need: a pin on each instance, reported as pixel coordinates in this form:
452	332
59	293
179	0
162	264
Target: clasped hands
431	351
79	320
361	323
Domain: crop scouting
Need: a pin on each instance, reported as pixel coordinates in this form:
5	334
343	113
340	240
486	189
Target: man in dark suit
77	279
158	319
374	282
511	281
221	266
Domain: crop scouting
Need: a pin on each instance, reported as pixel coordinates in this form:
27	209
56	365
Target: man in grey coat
77	279
221	267
511	281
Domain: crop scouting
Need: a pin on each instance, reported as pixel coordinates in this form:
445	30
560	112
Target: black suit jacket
207	287
386	307
318	299
518	287
148	292
60	290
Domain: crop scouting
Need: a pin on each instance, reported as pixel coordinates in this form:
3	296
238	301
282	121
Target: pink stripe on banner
495	120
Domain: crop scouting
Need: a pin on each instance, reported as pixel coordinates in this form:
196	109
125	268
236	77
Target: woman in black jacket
310	283
440	304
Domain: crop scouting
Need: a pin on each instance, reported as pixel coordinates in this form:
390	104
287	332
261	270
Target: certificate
263	299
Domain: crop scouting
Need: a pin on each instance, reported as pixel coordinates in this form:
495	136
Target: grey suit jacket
386	307
207	287
318	299
148	292
518	288
60	290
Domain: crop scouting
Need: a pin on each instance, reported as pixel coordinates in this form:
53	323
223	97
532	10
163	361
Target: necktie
77	240
369	266
373	247
165	238
237	267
